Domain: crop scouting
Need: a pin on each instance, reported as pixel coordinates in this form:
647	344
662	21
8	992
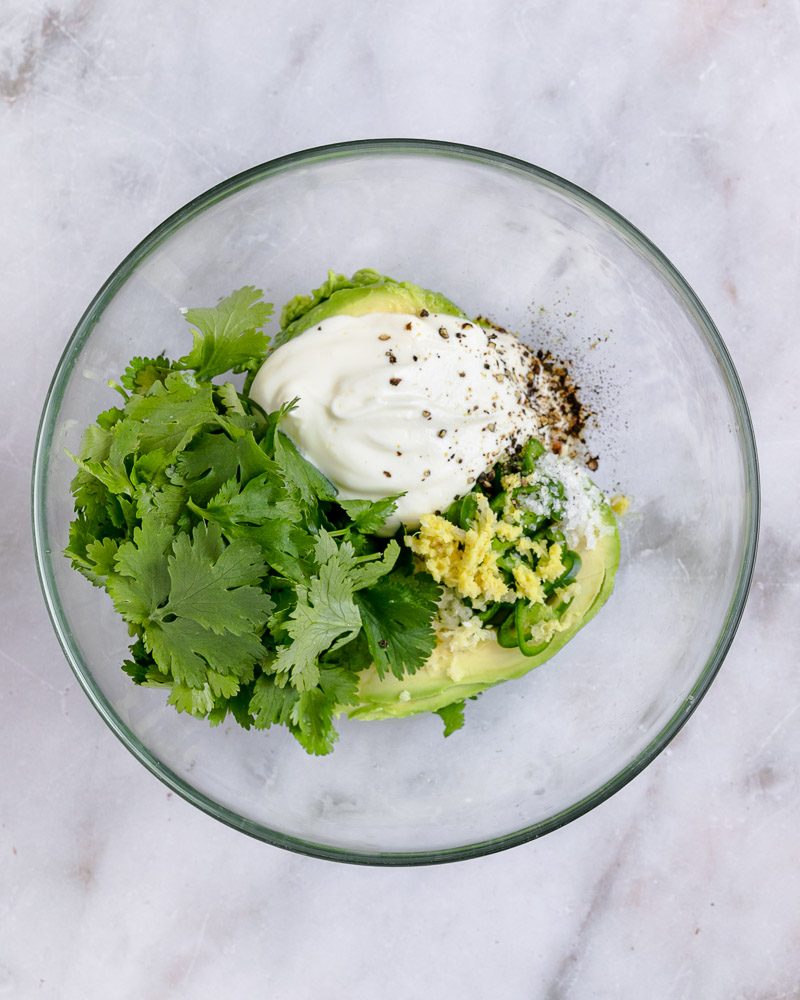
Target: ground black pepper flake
408	326
426	414
442	433
443	333
391	357
485	479
395	381
387	474
424	313
384	336
552	391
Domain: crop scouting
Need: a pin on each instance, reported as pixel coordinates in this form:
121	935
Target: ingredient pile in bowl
388	517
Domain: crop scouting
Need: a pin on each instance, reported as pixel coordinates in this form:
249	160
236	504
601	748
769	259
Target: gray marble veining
682	115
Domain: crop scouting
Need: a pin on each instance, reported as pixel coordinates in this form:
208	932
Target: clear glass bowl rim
383	147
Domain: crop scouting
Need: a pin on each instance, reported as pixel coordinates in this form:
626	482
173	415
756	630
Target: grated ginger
463	560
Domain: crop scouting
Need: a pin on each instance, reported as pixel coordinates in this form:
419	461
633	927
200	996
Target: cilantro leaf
194	701
140	667
353	656
90	546
325	616
272	423
312	713
452	716
201	615
171	413
141	373
372	568
191	653
238	705
167	504
312	718
213	584
214	458
101	554
141	582
228	336
305	481
91	496
271	704
263	498
397	612
339	685
229	398
286	547
364	570
369	516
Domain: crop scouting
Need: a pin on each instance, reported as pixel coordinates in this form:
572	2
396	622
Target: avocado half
451	677
447	677
365	292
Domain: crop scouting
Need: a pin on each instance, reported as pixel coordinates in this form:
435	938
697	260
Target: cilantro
312	716
166	504
249	590
169	416
271	704
228	337
141	582
305	481
372	567
285	546
397	613
353	656
325	617
101	554
200	613
370	516
263	498
213	458
213	584
452	716
272	422
141	373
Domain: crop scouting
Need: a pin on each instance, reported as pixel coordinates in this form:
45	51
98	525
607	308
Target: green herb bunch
249	589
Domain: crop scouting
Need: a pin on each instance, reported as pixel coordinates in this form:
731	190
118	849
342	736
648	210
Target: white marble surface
680	113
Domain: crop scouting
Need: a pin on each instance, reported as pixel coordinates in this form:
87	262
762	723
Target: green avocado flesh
464	674
382	296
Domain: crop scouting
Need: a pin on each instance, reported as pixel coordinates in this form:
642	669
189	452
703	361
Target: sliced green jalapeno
507	633
525	617
531	450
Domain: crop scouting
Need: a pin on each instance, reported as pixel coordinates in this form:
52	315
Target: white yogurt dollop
394	403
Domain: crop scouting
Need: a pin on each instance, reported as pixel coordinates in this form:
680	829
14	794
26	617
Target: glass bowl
549	261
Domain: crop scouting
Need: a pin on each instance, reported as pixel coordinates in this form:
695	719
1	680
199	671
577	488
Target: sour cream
393	403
